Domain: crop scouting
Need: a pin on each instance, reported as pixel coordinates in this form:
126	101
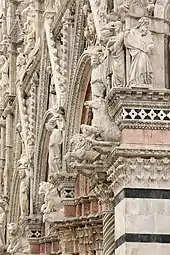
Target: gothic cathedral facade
85	127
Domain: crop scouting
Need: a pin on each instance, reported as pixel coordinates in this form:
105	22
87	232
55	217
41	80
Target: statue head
118	25
96	56
22	173
13	229
19	50
143	25
51	124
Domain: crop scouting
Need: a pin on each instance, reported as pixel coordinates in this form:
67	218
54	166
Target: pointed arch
41	164
77	96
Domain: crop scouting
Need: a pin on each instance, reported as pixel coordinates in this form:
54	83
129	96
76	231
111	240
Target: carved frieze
136	108
139	172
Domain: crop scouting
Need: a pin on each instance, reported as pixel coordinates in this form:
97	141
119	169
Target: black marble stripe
142	238
142	193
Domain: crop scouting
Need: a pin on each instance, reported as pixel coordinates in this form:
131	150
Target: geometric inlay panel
146	114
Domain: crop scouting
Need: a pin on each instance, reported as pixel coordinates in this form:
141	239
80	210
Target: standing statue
115	49
30	36
90	30
4	73
140	44
4	44
151	7
98	81
21	62
2	226
24	192
56	126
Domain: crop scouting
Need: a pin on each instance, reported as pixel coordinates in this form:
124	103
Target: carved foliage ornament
139	172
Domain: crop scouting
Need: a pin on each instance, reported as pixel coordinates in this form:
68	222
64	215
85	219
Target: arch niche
78	94
41	161
77	114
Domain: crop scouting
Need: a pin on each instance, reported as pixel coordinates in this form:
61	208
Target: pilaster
139	170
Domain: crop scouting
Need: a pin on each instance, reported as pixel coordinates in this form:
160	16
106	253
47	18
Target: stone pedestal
139	172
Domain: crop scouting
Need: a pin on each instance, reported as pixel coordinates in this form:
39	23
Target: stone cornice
75	222
140	108
139	172
135	94
136	151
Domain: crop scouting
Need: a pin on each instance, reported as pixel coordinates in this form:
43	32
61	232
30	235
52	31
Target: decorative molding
149	172
142	238
139	108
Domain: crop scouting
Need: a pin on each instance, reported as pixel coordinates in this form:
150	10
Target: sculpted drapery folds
24	192
140	44
56	126
89	31
20	63
52	202
98	79
116	56
4	79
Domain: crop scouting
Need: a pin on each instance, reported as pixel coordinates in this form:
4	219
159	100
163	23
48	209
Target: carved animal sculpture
52	201
18	243
102	127
82	149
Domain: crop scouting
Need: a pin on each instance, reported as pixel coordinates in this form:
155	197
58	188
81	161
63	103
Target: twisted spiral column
108	233
32	116
55	62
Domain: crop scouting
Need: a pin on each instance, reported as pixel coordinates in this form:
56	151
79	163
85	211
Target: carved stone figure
4	73
107	32
56	125
17	242
102	128
90	31
140	44
29	11
116	56
32	54
24	160
150	8
30	35
4	45
2	226
82	149
52	201
21	62
98	80
24	192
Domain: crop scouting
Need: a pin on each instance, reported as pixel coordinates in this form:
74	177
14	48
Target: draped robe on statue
140	48
116	60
